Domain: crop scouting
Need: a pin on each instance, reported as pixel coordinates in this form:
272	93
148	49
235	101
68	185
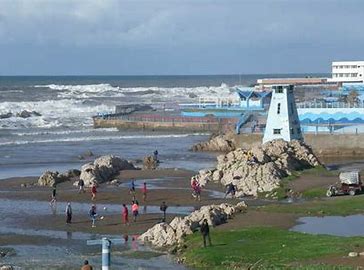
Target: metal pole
106	246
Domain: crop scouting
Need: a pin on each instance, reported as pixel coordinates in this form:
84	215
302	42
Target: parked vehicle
350	184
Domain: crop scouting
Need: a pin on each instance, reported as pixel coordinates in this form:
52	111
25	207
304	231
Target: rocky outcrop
85	155
150	163
261	168
27	114
165	235
51	179
103	169
6	115
219	143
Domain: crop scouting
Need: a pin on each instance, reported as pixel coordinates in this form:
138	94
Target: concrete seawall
324	145
213	126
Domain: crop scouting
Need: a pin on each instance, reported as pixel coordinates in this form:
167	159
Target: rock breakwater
261	168
165	235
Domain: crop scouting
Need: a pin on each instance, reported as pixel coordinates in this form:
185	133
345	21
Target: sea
60	129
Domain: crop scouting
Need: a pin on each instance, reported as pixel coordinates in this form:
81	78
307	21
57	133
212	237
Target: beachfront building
282	120
347	72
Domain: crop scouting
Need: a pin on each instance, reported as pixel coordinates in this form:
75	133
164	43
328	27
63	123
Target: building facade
347	72
282	121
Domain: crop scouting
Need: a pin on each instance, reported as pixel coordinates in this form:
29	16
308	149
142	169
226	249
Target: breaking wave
54	113
98	138
165	93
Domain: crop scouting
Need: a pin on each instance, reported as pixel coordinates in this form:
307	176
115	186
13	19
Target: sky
178	37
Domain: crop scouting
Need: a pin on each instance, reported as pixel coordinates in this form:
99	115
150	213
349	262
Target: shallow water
331	225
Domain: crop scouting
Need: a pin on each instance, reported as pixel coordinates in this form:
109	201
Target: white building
347	72
282	121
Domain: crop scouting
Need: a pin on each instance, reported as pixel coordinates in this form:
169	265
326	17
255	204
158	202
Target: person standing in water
53	197
125	214
93	215
144	191
156	155
81	186
68	213
163	208
135	210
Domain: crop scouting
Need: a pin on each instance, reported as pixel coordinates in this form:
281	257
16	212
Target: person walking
86	266
93	215
93	192
205	231
163	208
53	197
230	189
197	192
144	191
125	214
81	186
135	210
68	213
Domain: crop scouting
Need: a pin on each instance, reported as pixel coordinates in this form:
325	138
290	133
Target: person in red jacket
93	192
125	214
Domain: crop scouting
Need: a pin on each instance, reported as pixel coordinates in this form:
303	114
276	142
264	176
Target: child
93	192
93	215
135	210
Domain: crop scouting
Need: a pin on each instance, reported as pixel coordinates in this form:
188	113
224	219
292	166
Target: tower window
279	108
276	131
279	89
292	131
292	110
298	130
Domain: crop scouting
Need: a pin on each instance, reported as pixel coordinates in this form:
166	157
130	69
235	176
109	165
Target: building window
292	131
298	130
279	89
292	110
279	108
276	131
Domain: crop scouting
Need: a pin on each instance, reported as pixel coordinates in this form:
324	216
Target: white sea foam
65	132
98	138
164	93
54	113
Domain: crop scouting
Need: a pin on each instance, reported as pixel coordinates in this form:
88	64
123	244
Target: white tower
282	121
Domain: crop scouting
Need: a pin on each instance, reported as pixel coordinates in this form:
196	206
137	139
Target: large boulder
49	178
165	235
260	169
150	163
219	143
103	169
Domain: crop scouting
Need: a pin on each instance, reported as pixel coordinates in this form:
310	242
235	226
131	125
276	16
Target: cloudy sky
137	37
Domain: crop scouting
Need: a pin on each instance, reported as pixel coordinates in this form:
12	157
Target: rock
353	254
27	114
115	182
103	169
361	253
87	154
72	173
219	143
150	163
6	267
261	168
165	235
6	115
51	179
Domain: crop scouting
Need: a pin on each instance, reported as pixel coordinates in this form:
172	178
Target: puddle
28	207
61	257
331	225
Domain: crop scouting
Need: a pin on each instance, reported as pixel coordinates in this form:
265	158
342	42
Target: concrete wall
178	126
324	145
